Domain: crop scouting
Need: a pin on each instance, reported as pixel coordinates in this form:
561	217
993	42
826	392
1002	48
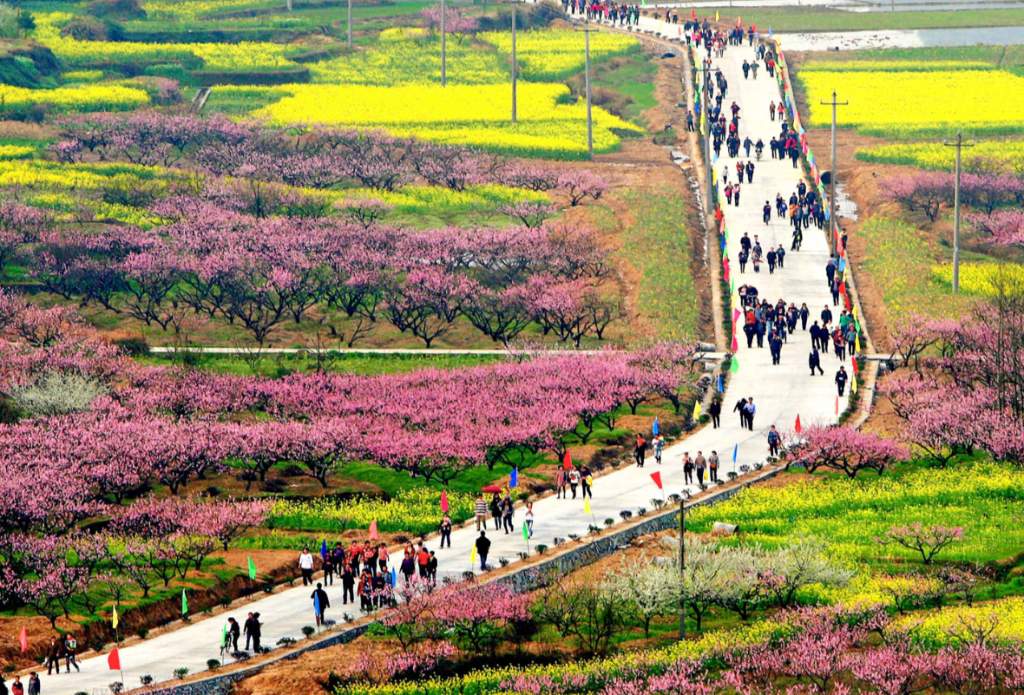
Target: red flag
735	343
842	288
444	501
726	273
567	460
373	530
23	639
853	365
798	427
114	660
656	477
837	405
693	13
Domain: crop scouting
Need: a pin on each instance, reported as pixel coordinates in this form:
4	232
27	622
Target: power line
959	144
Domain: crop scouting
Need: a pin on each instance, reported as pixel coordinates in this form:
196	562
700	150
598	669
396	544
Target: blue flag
723	243
316	603
323	548
735	453
656	427
394	577
513	479
770	31
721	384
842	264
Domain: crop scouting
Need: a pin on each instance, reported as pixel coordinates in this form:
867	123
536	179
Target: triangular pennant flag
656	477
656	426
721	384
696	410
373	530
526	532
856	343
472	554
114	660
566	460
513	478
734	365
316	605
853	366
184	603
252	568
444	501
837	405
394	577
735	452
323	547
586	505
716	15
115	620
736	313
798	427
23	639
735	344
725	274
853	384
224	635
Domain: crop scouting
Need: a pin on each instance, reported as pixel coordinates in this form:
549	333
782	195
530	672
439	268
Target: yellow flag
716	15
586	505
856	342
696	410
472	555
855	311
853	384
114	620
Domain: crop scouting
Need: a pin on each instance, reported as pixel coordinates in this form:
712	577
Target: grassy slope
279	365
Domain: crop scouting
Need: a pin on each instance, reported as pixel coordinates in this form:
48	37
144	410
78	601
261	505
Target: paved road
780	392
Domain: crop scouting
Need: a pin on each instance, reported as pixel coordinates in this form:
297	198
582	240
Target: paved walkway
780	392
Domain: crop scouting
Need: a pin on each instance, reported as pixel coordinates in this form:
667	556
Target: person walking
574	481
771	110
366	589
17	687
495	507
483	546
306	567
422	561
766	212
841	378
750	409
587	482
775	347
774	439
700	465
328	563
71	653
715	411
480	512
560	481
528	519
640	450
231	636
348	580
741	408
446	531
408	565
3	686
507	512
713	464
247	630
53	655
35	686
814	361
659	447
687	468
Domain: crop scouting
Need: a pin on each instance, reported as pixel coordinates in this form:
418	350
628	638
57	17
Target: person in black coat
483	546
320	603
841	378
814	361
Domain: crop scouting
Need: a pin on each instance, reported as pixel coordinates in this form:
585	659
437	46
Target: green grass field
804	19
342	363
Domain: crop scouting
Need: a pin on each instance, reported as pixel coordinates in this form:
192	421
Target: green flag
526	532
734	365
224	635
252	568
184	603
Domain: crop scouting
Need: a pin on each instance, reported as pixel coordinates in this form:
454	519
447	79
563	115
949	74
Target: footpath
781	393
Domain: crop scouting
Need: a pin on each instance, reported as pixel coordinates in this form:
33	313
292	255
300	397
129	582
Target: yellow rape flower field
1005	618
906	102
1003	155
556	54
78	98
980	278
474	115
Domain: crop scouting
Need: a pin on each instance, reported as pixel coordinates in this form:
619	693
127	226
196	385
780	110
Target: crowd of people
614	13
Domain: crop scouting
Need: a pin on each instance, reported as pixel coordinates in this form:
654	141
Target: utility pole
444	47
515	65
682	565
705	108
349	21
959	145
833	224
590	118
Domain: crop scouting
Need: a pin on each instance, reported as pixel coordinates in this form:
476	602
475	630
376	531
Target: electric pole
590	118
682	565
349	25
515	66
444	47
705	107
959	145
833	223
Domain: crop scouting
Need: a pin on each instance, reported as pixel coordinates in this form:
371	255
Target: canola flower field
414	511
1002	155
552	55
978	278
98	97
906	103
